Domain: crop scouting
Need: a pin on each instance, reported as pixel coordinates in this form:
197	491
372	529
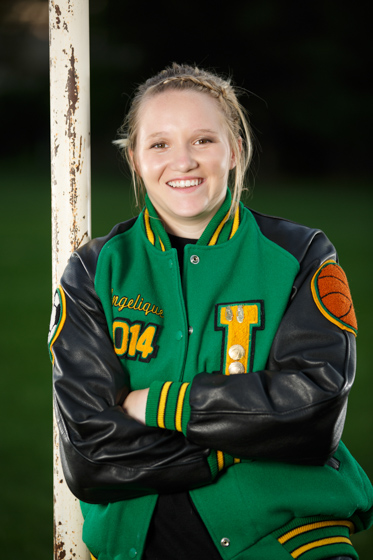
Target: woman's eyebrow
197	131
156	134
205	131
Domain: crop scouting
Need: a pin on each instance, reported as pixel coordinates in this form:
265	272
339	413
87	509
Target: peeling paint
85	235
72	84
70	179
72	89
58	16
56	146
59	552
55	237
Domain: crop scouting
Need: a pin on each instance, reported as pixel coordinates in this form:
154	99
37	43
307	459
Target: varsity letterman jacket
249	361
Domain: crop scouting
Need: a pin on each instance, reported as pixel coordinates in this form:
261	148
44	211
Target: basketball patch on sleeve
332	296
58	317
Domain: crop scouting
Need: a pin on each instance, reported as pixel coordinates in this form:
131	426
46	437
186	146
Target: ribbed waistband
317	538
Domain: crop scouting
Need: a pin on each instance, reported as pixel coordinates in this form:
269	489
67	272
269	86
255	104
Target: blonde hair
184	77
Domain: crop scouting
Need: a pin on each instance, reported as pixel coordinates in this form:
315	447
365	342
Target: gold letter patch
332	296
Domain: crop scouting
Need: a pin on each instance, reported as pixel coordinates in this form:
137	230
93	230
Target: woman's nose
183	159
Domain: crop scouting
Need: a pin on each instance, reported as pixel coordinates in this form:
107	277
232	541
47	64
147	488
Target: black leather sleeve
294	410
106	455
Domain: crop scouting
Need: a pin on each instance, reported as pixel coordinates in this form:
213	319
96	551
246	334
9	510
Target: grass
342	211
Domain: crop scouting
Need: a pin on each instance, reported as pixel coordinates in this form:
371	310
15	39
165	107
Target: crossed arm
292	411
135	404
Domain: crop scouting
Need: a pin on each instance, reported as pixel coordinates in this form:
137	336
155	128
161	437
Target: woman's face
183	156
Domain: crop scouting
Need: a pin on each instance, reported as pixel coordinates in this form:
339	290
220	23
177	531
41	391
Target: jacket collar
220	228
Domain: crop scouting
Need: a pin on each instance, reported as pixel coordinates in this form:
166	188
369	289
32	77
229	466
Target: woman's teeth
183	184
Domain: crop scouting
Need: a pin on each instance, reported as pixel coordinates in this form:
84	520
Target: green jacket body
249	358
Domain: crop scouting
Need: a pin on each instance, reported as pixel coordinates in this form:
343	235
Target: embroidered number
239	323
135	340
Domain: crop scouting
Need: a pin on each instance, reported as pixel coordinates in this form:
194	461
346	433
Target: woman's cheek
151	166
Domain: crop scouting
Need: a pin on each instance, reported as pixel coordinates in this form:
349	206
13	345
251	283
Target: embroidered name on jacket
137	304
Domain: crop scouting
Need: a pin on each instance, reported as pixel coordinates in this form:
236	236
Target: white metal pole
71	220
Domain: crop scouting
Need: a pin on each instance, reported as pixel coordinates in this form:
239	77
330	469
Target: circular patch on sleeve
332	296
57	320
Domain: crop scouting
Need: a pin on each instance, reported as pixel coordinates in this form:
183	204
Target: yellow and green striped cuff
168	405
218	461
317	538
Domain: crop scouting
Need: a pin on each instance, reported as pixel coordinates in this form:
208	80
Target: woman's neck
185	231
188	228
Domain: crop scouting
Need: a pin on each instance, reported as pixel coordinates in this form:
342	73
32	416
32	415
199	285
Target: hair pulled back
184	77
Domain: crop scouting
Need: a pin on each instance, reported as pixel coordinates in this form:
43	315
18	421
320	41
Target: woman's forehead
174	106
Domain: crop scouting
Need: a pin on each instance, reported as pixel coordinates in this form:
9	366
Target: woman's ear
233	155
132	158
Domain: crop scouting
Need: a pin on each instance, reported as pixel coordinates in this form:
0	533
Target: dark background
306	66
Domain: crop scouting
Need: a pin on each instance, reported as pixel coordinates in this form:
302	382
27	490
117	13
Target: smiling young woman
217	94
183	156
203	354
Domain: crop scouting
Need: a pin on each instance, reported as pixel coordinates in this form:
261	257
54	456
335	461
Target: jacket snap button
225	542
194	259
133	552
179	335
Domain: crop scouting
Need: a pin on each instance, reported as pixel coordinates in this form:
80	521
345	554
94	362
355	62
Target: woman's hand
135	404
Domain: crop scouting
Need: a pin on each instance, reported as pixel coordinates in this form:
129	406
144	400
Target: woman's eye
203	141
159	145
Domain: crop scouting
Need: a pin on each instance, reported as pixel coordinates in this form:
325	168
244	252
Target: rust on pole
71	227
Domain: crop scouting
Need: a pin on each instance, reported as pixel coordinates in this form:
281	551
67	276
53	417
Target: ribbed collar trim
221	228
